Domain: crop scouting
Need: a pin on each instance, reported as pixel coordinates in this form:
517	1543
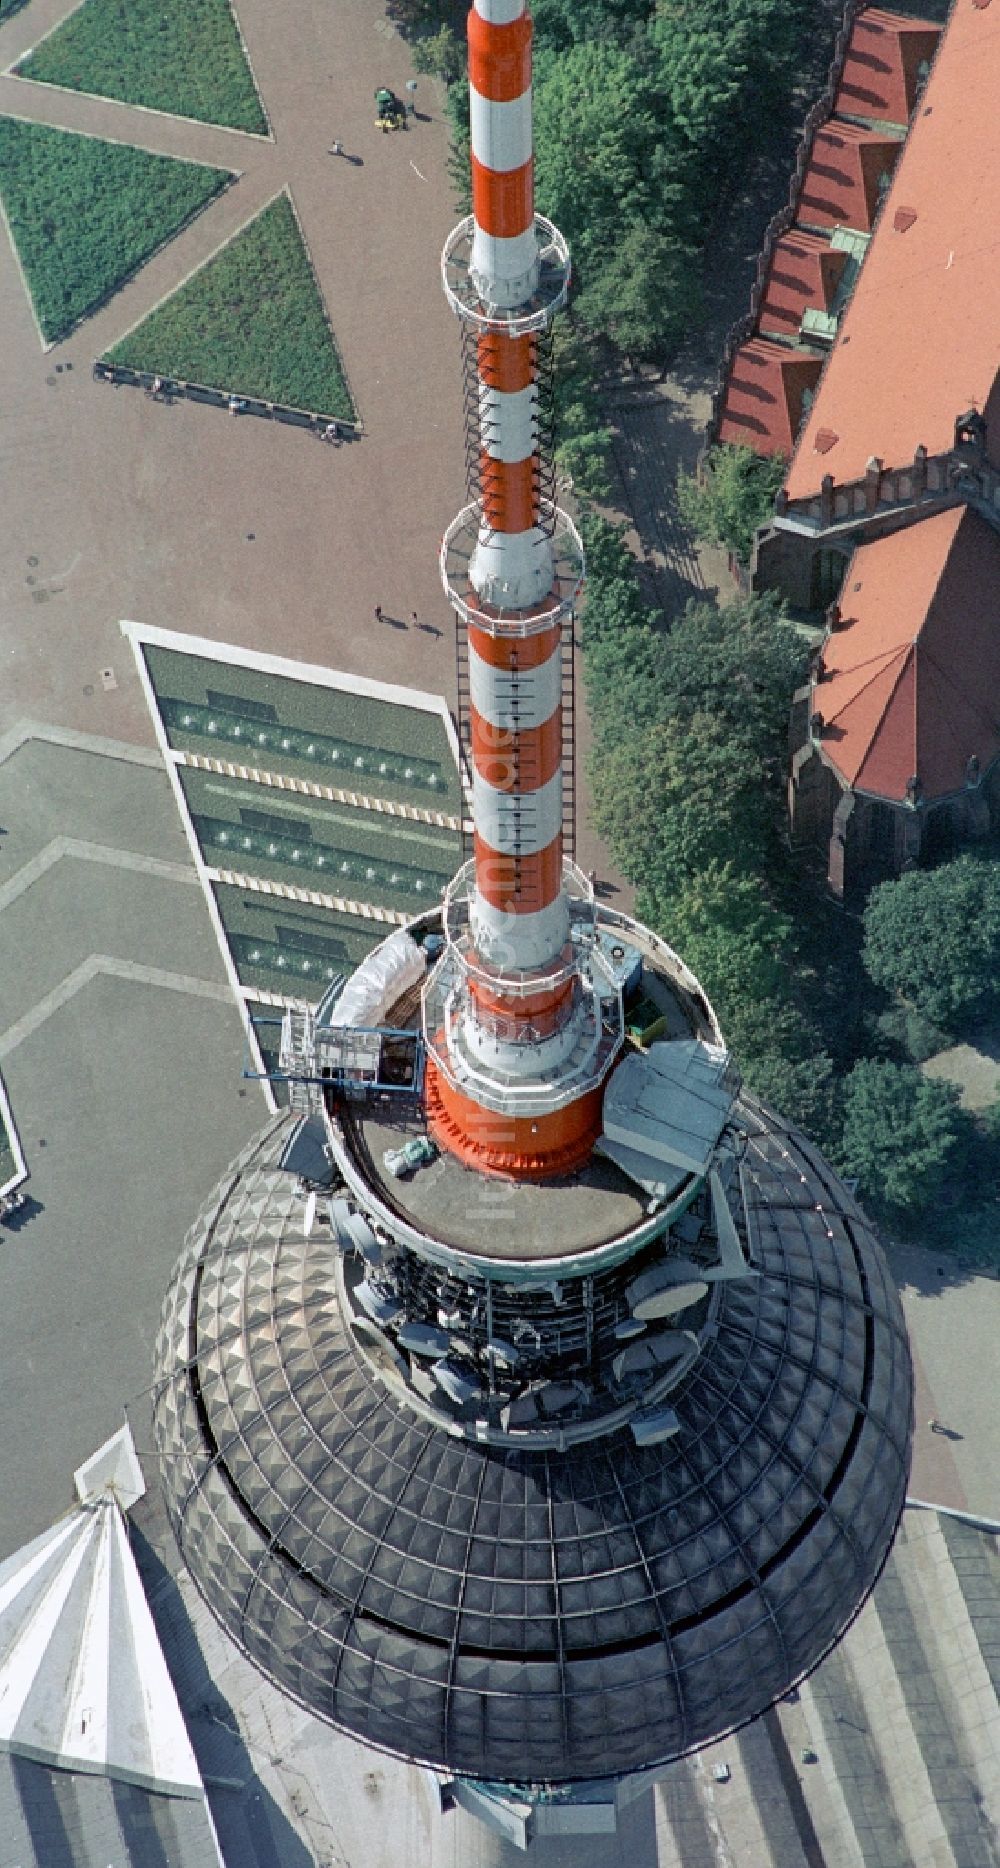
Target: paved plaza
241	530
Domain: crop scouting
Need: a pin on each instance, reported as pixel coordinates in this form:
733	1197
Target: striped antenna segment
515	1038
515	678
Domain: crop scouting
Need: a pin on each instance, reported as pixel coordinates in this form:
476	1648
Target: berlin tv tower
533	1403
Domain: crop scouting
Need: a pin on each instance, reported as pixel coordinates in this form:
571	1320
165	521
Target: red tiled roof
762	408
840	187
804	272
910	682
880	76
919	342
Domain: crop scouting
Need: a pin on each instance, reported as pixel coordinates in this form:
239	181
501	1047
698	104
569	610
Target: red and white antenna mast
521	1017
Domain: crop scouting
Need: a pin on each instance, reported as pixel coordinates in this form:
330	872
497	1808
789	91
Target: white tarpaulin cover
379	981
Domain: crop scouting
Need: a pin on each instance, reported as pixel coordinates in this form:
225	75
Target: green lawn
85	214
185	58
250	322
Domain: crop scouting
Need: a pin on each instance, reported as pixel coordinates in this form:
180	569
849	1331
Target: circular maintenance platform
535	1617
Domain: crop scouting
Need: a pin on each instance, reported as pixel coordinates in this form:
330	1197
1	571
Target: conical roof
83	1682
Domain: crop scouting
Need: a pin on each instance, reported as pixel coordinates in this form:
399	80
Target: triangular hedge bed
84	214
250	322
185	57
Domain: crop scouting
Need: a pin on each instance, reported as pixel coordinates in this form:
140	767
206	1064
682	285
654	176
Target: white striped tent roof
83	1682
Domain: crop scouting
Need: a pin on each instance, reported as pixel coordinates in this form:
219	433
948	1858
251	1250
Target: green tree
582	437
606	174
608	560
681	796
414	17
623	675
734	497
901	1133
747	53
562	23
723	924
781	1055
702	65
596	146
931	939
643	292
740	662
743	950
440	54
456	109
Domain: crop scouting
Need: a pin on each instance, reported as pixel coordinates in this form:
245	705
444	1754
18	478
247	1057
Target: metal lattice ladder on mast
569	735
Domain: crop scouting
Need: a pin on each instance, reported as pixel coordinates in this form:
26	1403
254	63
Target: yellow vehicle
391	110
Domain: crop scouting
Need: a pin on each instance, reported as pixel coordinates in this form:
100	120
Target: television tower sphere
532	1402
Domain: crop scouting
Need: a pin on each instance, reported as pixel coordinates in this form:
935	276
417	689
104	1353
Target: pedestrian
336	149
413	619
378	612
592	879
936	1427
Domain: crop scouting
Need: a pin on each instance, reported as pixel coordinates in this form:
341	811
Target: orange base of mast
514	1147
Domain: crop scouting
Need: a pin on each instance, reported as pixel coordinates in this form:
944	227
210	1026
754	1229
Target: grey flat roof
505	1219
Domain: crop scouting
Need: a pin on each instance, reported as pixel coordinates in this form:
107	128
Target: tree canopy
688	755
582	438
739	662
735	495
681	796
901	1133
931	938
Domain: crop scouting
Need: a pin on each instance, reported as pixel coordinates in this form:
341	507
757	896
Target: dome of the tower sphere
530	1615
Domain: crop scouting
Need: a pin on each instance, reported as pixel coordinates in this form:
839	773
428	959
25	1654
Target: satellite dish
667	1301
377	1347
422	1339
670	1347
628	1328
310	1218
665	1289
